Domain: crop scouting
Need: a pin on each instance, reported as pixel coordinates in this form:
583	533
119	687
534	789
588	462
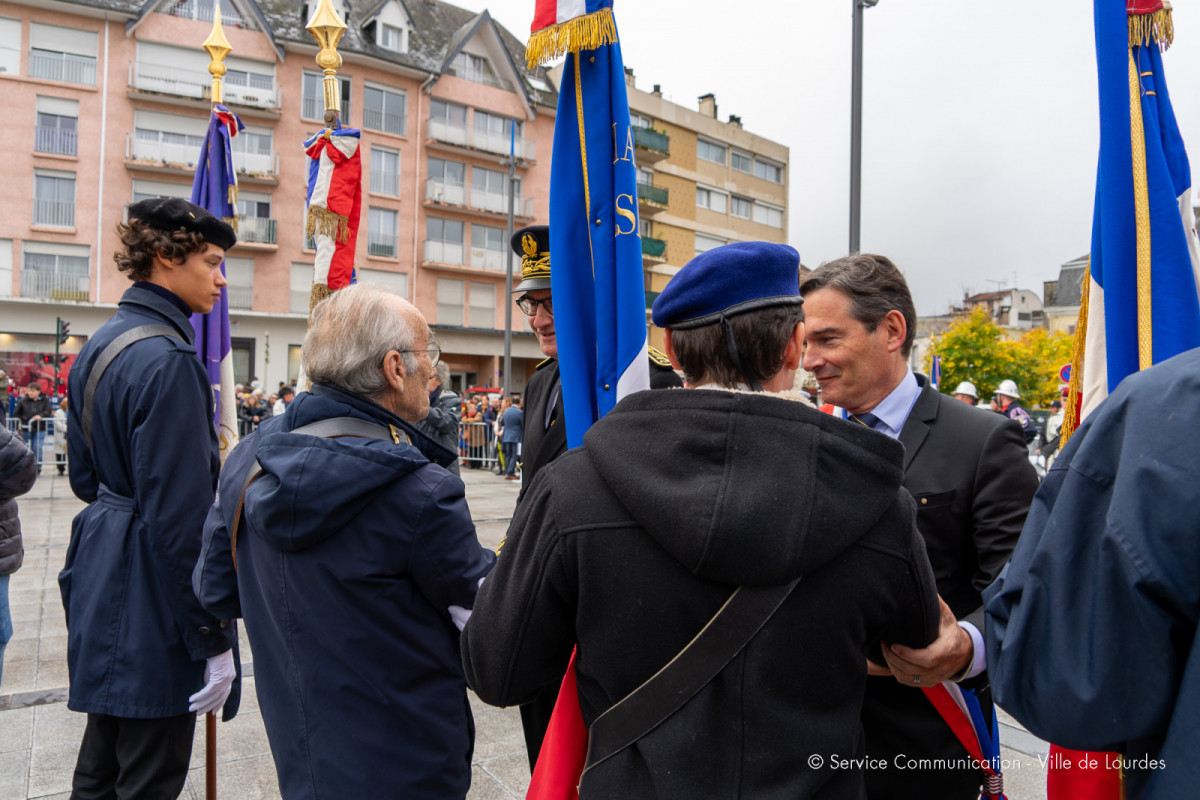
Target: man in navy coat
356	565
143	656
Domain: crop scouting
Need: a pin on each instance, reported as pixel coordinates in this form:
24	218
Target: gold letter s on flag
628	213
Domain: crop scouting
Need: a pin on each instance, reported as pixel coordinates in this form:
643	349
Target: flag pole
217	47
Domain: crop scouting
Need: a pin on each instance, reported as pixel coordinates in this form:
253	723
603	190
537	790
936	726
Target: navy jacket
510	425
1091	628
137	638
355	558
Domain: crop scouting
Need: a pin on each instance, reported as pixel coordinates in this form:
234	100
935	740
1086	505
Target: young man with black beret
144	656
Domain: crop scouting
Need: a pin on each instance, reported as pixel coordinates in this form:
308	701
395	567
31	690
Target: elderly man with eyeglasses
341	539
544	437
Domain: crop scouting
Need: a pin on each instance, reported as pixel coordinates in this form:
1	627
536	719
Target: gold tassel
1071	415
581	33
318	293
233	191
231	222
1156	28
326	223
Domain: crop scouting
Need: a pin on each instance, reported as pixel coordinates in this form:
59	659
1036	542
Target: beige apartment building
702	183
108	102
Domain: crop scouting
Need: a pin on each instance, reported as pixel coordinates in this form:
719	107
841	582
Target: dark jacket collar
148	301
360	406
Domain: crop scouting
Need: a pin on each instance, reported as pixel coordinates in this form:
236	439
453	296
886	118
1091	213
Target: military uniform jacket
137	637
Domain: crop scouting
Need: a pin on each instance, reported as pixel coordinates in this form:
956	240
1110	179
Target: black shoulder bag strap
717	643
332	428
106	357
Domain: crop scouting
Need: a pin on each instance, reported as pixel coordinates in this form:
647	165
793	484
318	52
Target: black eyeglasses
530	306
434	350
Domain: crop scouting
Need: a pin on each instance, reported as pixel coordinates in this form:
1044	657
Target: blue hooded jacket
355	559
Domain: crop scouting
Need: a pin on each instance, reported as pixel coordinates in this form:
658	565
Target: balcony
652	199
443	193
443	252
482	258
497	203
378	120
50	285
54	213
381	243
55	141
65	67
256	230
653	250
650	298
240	297
159	79
185	156
230	18
440	130
655	146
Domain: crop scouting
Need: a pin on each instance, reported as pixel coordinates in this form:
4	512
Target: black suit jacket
968	469
541	445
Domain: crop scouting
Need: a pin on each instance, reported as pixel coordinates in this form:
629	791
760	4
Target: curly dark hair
143	243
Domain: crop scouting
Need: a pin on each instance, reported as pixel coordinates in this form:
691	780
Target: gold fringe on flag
233	192
1156	28
326	223
318	293
231	222
1075	398
581	33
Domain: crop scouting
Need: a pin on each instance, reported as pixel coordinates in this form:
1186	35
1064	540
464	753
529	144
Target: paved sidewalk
39	737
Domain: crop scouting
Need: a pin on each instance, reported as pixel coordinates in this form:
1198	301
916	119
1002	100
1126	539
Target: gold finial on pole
218	47
327	27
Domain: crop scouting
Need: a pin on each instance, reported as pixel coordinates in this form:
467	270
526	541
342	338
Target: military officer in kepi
545	434
144	657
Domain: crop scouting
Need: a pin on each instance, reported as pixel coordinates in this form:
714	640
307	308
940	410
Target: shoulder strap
717	643
106	357
332	428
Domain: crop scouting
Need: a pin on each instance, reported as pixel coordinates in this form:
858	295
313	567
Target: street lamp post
856	124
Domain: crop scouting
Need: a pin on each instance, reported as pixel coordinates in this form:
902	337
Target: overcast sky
979	120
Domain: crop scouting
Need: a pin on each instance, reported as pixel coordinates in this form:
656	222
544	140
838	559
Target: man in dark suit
544	437
970	475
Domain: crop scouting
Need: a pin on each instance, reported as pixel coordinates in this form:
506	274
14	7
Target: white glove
218	676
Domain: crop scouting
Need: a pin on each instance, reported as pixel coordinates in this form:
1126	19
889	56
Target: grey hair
443	374
351	332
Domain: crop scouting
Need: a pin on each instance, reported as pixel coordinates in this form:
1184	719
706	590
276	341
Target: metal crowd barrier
477	445
37	436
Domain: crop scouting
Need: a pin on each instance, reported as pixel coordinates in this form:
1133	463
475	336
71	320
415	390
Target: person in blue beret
632	544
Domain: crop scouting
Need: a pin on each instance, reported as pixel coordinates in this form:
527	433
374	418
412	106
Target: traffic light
64	330
63	358
46	358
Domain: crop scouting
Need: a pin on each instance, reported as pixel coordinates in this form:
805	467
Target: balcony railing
443	252
241	297
653	248
186	155
496	202
378	120
65	67
653	195
55	213
488	259
479	76
489	141
204	13
54	140
256	230
652	140
448	193
381	244
266	164
49	285
147	77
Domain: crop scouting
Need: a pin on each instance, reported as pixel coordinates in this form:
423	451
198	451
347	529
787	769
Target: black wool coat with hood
628	546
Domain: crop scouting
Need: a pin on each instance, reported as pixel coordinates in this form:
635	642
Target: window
313	97
740	207
392	281
768	215
483	305
301	286
55	271
741	162
710	151
471	67
393	38
492	132
241	351
54	198
710	199
10	46
382	232
644	228
449	113
167	138
447	182
638	121
705	243
57	124
385	171
203	11
62	54
293	365
253	151
384	110
239	273
449	302
645	177
254	218
487	247
147	190
489	190
444	241
768	171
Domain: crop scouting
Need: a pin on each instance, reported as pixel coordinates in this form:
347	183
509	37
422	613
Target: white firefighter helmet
967	388
1008	388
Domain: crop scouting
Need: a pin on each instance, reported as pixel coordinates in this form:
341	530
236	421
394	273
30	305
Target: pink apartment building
107	102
